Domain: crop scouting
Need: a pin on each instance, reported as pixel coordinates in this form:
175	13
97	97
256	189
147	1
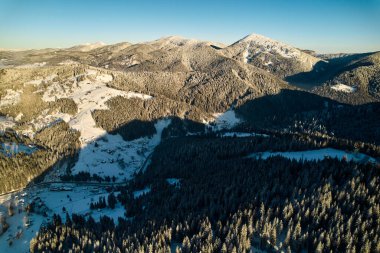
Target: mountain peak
87	46
255	36
259	39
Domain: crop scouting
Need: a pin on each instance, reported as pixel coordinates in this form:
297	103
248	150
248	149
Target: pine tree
112	200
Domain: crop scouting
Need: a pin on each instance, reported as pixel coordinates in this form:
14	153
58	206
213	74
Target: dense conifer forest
223	201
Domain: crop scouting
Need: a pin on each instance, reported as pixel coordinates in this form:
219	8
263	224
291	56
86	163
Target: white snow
27	225
101	153
269	45
12	97
19	116
343	88
139	193
255	45
88	46
226	120
318	154
46	119
6	123
68	63
173	181
37	82
104	78
32	65
109	155
3	63
11	148
245	54
240	134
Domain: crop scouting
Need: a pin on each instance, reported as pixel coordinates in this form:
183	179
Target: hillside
273	56
182	145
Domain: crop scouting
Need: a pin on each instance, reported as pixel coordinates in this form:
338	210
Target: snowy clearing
318	154
110	155
226	120
343	88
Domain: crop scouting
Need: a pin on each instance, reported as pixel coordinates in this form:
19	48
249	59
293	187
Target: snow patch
68	63
13	148
12	97
104	78
226	120
138	194
173	181
245	54
343	88
19	116
318	154
240	134
6	123
32	65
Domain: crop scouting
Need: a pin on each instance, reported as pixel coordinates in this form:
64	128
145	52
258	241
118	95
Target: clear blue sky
322	25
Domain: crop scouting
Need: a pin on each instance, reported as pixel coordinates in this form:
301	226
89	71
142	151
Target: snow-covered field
318	154
343	88
101	153
110	155
24	226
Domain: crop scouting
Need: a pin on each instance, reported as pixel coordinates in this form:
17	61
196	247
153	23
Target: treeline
56	143
133	118
84	176
228	203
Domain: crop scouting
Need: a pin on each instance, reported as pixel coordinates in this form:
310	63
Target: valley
187	145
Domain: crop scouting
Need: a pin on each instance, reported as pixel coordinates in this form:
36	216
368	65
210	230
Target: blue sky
321	25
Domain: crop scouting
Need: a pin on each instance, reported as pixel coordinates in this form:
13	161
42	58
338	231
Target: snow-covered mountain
274	56
89	119
87	46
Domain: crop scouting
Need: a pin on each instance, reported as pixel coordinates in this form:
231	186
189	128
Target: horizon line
2	49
